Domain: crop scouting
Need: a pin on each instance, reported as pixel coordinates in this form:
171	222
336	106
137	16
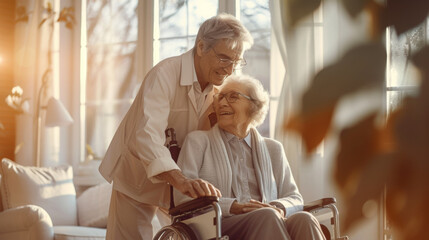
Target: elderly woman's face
232	106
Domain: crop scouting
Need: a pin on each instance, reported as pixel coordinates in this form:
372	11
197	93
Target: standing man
176	93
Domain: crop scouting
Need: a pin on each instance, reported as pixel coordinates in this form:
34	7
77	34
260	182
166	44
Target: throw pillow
50	188
93	206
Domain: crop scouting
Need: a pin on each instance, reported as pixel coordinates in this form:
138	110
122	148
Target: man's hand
191	187
252	205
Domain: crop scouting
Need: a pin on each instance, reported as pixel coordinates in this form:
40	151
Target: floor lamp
56	116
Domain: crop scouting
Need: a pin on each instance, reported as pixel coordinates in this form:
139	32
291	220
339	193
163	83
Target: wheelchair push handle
172	145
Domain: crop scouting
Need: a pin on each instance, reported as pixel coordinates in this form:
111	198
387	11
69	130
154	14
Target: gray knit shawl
261	162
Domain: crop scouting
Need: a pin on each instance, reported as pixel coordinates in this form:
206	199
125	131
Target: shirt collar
230	136
197	85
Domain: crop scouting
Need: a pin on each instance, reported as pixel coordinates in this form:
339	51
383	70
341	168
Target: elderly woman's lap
303	225
266	223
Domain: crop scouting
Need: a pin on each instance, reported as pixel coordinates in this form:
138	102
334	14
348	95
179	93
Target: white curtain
31	49
297	52
37	56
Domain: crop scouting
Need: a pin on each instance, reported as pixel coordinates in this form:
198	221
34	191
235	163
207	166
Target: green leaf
354	155
49	8
421	59
299	9
67	15
42	22
407	198
21	14
312	127
21	10
69	25
370	186
359	68
405	15
354	7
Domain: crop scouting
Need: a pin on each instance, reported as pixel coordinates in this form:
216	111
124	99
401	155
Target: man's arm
191	187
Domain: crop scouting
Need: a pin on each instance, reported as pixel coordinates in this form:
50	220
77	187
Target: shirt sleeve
190	161
154	101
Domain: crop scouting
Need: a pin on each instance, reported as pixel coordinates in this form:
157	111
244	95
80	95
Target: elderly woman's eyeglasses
224	62
231	97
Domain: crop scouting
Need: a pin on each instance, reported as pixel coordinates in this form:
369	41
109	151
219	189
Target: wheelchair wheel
177	231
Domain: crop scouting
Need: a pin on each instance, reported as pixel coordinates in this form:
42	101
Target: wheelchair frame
202	205
189	210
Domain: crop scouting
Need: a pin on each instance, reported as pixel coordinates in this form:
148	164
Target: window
255	15
401	77
113	51
177	25
109	70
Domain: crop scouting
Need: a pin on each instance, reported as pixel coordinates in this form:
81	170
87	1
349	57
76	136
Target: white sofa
41	203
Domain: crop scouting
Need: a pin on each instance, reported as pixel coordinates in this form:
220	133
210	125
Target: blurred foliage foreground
373	159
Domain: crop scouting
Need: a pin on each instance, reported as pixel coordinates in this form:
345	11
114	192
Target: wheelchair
201	218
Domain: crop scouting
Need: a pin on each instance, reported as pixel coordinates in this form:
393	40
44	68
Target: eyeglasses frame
229	93
235	64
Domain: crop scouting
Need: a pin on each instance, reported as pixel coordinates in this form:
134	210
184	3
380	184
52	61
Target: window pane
172	18
256	16
402	76
101	122
179	21
179	18
199	11
395	98
401	48
111	21
111	76
173	47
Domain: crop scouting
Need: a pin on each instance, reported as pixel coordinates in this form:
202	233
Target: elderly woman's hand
191	187
252	205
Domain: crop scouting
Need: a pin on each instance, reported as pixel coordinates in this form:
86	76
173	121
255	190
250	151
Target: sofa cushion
50	188
25	221
78	233
93	206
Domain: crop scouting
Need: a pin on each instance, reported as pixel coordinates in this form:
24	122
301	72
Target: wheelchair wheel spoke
175	232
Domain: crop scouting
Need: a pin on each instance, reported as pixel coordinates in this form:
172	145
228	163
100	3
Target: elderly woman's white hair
256	92
224	26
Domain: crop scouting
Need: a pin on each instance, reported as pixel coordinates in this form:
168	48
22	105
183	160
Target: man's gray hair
256	92
224	26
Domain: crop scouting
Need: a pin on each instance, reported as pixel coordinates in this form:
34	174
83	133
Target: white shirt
242	167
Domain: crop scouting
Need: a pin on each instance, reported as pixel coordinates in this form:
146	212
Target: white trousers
266	223
132	220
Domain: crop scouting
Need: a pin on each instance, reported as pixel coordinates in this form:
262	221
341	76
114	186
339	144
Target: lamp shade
57	114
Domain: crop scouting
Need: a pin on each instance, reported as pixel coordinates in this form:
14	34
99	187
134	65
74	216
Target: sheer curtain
32	46
297	49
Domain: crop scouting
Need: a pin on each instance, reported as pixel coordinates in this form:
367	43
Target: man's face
211	69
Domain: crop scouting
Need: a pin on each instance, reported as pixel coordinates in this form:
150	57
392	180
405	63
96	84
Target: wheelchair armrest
319	203
192	205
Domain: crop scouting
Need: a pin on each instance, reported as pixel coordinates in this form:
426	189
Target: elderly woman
260	199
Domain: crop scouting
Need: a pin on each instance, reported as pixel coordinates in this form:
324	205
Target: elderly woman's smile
232	106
